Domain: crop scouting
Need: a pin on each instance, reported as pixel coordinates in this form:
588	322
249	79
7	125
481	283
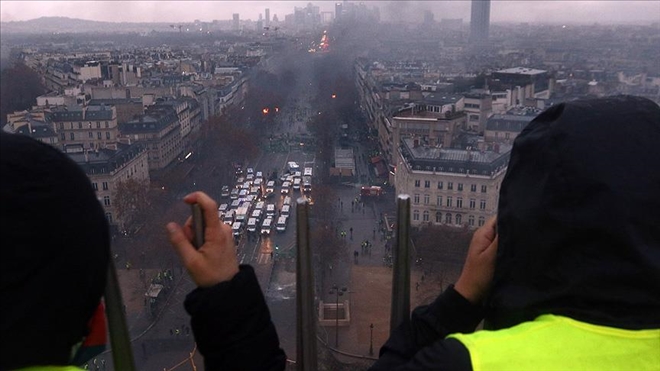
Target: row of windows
449	218
80	125
96	186
90	135
450	186
450	201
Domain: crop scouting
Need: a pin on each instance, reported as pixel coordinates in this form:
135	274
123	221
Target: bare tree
131	200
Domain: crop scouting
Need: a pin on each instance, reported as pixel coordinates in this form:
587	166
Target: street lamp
339	292
371	340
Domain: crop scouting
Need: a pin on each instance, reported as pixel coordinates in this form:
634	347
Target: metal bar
400	310
120	342
306	353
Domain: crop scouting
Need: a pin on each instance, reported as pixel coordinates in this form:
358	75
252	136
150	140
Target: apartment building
91	127
450	186
160	131
106	168
504	128
429	123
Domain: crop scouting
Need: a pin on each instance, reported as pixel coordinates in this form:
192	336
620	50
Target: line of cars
247	209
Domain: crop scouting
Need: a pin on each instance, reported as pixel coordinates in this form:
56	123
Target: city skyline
586	12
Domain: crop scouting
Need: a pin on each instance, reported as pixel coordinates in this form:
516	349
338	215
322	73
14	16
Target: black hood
579	217
55	252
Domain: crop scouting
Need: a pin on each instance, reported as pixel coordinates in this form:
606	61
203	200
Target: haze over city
188	11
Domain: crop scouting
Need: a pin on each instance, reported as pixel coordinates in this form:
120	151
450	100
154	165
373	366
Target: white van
252	225
223	208
287	201
292	166
257	214
266	226
236	229
285	188
229	217
270	210
281	224
286	209
296	184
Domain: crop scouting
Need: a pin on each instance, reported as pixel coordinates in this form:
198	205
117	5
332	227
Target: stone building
450	186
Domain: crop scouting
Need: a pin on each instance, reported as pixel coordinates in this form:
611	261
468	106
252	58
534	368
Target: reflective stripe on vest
559	343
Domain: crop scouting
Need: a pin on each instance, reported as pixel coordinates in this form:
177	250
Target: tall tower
479	21
235	24
267	17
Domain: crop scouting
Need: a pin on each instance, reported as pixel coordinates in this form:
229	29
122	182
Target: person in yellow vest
568	275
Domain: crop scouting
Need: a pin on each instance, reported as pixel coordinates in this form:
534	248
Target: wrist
467	292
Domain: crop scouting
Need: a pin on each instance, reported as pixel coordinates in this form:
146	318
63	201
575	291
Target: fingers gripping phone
198	226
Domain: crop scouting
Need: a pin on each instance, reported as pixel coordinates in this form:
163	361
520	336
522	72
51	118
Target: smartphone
198	225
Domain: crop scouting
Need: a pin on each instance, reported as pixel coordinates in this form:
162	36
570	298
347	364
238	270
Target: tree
19	88
131	200
443	244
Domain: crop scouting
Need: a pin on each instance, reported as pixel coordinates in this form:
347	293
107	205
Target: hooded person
568	276
55	256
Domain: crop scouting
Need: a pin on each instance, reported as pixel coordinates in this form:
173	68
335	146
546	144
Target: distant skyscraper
479	21
267	17
428	17
235	24
338	10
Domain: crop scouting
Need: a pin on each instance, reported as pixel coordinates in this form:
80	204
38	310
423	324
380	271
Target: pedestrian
374	233
330	268
177	332
271	255
351	230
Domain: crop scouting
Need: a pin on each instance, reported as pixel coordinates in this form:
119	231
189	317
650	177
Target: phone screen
198	226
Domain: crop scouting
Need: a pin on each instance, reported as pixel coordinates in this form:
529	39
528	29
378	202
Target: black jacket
232	325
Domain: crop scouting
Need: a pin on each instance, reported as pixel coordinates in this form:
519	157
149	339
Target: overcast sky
556	11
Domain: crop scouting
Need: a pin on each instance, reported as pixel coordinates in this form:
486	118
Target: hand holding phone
198	225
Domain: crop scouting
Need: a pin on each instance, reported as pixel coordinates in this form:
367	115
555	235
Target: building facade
90	127
479	21
159	130
106	168
450	186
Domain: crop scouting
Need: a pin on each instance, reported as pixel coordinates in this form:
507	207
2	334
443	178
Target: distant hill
74	25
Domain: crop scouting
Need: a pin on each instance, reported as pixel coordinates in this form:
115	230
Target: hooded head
55	250
579	217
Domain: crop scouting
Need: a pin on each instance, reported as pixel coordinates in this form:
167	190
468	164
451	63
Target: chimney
497	148
415	143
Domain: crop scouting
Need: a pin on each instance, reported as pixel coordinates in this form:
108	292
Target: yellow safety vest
559	343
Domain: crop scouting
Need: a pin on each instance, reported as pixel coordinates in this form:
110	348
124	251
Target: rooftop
522	71
422	157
